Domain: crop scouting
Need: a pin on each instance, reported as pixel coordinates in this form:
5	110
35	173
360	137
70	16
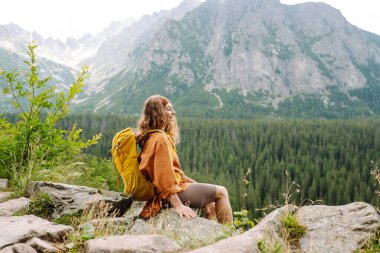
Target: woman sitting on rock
159	162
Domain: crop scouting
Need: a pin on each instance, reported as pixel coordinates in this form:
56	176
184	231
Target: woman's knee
221	192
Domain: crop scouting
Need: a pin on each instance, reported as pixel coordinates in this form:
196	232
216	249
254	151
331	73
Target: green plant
34	142
93	222
293	230
375	172
68	219
372	245
265	247
41	205
241	219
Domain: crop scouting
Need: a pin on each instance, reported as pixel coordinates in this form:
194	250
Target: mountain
246	57
235	59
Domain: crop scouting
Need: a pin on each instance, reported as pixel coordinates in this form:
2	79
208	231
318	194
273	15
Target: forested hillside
329	159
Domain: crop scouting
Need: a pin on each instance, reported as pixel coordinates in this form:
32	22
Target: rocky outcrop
18	248
11	206
132	243
337	229
21	229
328	228
197	231
269	230
41	246
70	199
3	183
5	196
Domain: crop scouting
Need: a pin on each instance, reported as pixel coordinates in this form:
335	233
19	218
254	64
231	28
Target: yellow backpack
125	159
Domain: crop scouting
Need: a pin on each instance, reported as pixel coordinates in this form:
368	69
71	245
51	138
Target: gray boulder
189	233
42	246
141	227
18	248
132	243
3	183
17	229
4	196
70	199
337	228
268	230
11	206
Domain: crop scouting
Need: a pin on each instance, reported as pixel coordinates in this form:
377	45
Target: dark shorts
198	195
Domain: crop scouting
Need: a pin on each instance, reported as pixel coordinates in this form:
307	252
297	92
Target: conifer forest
307	161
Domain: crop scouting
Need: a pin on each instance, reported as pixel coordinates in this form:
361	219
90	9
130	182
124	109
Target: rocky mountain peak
262	53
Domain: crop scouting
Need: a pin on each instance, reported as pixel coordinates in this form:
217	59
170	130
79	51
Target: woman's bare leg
210	211
222	205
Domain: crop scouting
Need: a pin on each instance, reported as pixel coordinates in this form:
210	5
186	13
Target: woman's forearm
175	201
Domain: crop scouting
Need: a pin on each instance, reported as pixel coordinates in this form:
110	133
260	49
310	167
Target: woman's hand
185	211
181	209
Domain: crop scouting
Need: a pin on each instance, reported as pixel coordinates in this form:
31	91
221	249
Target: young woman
159	162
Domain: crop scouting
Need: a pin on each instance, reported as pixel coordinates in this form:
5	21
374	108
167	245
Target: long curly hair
154	117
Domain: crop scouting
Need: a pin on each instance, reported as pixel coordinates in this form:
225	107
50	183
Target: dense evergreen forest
328	159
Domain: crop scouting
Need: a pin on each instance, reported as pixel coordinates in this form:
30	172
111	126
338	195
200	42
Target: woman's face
170	113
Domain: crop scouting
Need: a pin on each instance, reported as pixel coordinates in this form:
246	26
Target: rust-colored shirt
159	162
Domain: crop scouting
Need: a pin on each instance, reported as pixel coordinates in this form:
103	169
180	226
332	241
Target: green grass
292	228
372	245
41	206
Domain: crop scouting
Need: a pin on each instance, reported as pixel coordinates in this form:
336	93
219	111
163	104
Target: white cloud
74	18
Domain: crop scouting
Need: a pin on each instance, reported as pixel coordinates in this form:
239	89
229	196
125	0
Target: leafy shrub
293	229
34	142
242	221
41	206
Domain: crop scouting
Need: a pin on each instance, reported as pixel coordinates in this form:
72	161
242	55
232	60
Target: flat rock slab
196	231
141	227
18	248
42	246
17	229
69	199
267	230
3	183
132	243
337	229
5	196
9	207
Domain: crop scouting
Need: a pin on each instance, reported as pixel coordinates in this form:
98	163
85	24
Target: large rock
5	196
18	248
69	199
132	243
17	229
9	207
268	231
3	183
337	228
141	227
188	232
42	246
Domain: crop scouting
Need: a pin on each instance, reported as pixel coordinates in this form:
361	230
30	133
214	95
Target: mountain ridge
251	56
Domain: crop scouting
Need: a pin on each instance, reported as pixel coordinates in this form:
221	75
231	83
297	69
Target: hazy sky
60	19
